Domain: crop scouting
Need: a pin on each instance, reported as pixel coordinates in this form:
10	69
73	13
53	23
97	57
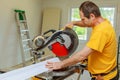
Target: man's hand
99	77
54	65
69	25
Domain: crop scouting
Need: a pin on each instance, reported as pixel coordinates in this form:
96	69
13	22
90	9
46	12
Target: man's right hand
69	25
54	65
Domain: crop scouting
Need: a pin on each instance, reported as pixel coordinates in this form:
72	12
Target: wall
9	43
62	4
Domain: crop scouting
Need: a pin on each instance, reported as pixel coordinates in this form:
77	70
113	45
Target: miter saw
63	44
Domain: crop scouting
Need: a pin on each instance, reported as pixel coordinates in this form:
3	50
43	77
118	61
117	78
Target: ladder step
27	49
26	40
24	30
24	34
25	45
23	21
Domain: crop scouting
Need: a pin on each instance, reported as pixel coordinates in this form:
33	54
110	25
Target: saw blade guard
60	42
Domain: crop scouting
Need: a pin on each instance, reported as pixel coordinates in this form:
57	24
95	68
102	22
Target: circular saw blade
72	41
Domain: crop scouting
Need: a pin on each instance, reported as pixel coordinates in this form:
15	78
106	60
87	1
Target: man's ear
92	16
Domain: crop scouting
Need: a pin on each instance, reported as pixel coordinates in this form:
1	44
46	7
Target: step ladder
24	36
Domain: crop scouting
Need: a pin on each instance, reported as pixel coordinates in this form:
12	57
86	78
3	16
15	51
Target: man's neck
98	20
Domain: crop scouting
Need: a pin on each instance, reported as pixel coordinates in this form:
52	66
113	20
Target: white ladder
24	36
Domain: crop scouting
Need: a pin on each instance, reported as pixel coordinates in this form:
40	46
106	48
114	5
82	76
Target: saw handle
51	30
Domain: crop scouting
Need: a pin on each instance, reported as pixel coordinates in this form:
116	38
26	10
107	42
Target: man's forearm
69	62
75	23
73	59
79	23
77	57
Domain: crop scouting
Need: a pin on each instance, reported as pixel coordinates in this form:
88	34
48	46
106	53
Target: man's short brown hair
89	7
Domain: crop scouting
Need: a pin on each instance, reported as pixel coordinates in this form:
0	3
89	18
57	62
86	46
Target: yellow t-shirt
103	41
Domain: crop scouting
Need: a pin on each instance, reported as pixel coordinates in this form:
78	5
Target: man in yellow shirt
100	50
